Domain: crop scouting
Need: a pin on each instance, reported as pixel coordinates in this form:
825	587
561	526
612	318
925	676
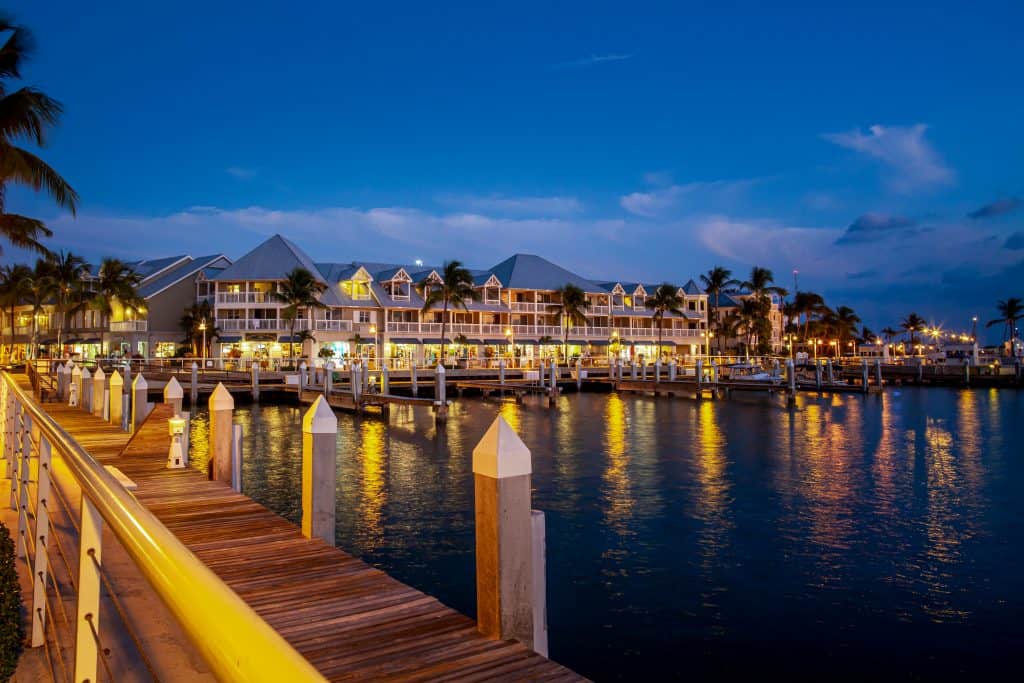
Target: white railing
597	309
334	325
129	326
245	298
233	640
525	307
22	329
262	324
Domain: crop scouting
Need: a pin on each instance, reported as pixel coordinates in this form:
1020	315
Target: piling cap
99	374
116	379
140	383
173	389
77	372
320	419
195	365
302	365
501	453
440	369
221	398
86	374
60	367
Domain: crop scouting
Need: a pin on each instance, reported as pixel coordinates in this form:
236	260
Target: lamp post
373	331
511	345
202	327
814	343
974	327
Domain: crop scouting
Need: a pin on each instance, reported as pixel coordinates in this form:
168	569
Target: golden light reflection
617	485
512	412
713	496
373	491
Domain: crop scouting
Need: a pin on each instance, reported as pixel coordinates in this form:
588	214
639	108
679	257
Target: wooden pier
349	620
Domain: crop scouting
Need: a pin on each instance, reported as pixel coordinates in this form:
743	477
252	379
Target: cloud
711	195
999	207
240	172
910	161
1014	242
591	61
874	226
516	206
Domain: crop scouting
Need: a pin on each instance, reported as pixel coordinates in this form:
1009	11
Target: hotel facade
374	311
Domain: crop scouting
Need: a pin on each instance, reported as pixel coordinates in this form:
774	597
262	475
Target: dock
349	620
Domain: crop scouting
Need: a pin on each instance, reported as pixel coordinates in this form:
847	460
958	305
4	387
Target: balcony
129	326
525	307
244	298
261	324
333	325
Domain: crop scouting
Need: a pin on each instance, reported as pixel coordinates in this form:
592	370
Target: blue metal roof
691	288
526	271
175	275
271	260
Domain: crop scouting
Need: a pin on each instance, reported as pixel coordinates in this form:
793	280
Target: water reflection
690	531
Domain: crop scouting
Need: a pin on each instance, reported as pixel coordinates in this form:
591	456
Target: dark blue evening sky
875	148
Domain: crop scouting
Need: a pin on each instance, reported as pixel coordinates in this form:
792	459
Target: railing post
23	478
87	625
222	406
99	389
505	571
174	395
116	398
140	401
86	396
15	451
319	471
42	541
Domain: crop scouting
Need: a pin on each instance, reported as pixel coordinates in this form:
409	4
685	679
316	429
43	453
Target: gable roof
691	288
154	285
147	268
271	260
526	271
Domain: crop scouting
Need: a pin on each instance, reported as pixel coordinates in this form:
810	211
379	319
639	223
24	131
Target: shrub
12	634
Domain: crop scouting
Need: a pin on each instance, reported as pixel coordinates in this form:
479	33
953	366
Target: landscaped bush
12	634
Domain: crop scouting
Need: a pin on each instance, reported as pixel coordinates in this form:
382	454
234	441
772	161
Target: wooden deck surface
352	622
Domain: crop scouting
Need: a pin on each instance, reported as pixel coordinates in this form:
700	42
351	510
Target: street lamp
202	326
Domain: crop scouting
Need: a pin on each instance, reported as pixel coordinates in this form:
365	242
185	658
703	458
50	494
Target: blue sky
875	148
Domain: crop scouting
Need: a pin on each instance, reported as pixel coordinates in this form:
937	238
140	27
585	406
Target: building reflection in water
616	487
373	483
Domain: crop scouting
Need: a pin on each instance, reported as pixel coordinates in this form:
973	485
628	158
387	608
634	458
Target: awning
577	342
686	343
600	342
474	342
433	341
230	339
497	342
286	338
91	340
405	340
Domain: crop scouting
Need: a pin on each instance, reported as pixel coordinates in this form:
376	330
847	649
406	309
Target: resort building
168	287
732	303
375	310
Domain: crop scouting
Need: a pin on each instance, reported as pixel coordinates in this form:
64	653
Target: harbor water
854	536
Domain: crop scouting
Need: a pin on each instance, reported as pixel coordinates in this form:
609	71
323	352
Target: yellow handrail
236	643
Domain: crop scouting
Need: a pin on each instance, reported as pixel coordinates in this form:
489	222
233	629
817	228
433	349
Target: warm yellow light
373	329
508	332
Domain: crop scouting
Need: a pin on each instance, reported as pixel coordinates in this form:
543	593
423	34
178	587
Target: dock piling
365	373
140	397
222	407
829	371
99	390
579	374
193	389
878	373
75	390
632	370
255	381
86	395
501	372
173	395
657	371
440	395
236	457
864	375
506	575
817	374
319	471
413	378
116	398
384	383
302	377
672	370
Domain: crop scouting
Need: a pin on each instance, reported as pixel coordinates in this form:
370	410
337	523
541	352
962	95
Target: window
364	316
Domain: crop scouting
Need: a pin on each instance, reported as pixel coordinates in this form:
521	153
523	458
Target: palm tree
41	286
571	310
665	299
1010	311
867	335
913	323
26	114
116	281
300	292
194	316
808	304
889	333
846	321
69	294
761	288
14	281
715	281
455	291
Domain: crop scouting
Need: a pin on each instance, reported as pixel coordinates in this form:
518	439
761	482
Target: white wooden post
538	537
40	564
829	371
15	453
672	370
878	373
384	380
506	575
413	378
714	372
579	374
63	372
643	371
632	370
222	407
255	381
699	374
116	398
302	376
140	405
791	377
657	370
75	390
501	372
440	394
99	389
174	395
88	617
365	372
319	471
864	375
193	389
817	373
86	396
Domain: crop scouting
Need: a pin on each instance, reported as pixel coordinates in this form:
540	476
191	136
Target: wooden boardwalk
351	621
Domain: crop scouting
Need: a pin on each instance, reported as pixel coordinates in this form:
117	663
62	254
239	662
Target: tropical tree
194	316
571	310
911	324
867	335
761	287
14	283
300	292
889	333
1010	311
41	287
455	291
716	281
665	300
26	115
809	305
846	324
116	281
69	294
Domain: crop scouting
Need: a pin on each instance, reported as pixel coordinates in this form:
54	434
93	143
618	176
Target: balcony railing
333	325
244	298
129	326
260	324
526	307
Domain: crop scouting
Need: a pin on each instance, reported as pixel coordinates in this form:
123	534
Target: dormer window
399	291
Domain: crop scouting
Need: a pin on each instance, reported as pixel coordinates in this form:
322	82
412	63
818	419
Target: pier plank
352	621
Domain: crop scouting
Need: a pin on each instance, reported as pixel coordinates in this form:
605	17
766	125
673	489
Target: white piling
86	396
75	390
413	378
878	373
174	395
140	401
817	374
830	372
236	457
193	389
657	371
672	370
255	381
384	379
302	376
116	398
864	375
99	391
319	471
222	407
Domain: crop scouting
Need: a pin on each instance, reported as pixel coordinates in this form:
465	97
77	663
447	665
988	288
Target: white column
319	471
116	396
140	401
222	406
99	389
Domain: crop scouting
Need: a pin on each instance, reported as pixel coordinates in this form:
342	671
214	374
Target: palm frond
21	166
24	232
28	113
